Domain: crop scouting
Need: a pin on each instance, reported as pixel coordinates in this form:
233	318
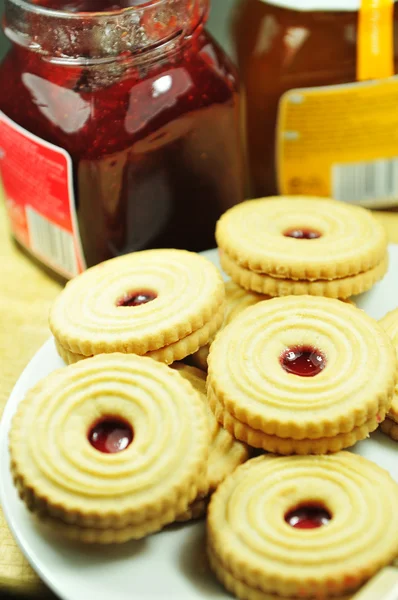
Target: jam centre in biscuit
308	516
304	361
137	298
302	233
111	435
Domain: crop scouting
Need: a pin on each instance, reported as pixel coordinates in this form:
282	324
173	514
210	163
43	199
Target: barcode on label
368	183
51	242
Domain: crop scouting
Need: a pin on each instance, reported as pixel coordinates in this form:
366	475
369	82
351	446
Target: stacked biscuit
302	527
293	246
301	375
164	304
95	493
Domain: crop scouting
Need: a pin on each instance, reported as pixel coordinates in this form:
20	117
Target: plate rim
5	423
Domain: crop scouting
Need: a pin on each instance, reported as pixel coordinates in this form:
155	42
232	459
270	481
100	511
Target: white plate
170	564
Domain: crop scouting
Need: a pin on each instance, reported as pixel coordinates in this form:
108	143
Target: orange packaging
321	97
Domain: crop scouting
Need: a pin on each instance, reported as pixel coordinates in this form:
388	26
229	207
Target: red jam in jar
119	130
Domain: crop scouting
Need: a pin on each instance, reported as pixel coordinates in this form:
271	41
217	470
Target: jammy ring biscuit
390	425
302	527
302	245
161	303
118	448
225	452
301	375
236	300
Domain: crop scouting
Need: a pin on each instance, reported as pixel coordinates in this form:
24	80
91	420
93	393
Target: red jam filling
304	361
308	516
111	435
137	298
303	234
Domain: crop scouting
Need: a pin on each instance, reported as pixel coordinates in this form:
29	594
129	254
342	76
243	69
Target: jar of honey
119	128
320	96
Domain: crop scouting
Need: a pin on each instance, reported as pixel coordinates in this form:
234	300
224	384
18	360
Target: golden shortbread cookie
303	526
177	293
257	236
99	494
303	367
225	452
236	300
390	324
279	445
335	288
173	352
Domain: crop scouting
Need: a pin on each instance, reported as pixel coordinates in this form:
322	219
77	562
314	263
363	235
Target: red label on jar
38	186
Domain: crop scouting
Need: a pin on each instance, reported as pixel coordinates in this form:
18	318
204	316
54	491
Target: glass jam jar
311	47
119	130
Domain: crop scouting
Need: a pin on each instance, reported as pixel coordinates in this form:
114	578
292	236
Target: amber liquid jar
140	108
283	45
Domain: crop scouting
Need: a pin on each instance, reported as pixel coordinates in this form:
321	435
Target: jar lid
88	38
307	5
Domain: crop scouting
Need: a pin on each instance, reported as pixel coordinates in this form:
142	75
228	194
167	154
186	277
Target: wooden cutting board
26	294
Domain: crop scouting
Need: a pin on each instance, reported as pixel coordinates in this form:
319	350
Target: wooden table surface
26	294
